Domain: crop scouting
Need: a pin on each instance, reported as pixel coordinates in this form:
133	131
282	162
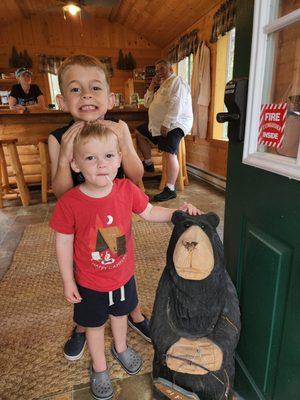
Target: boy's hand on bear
71	292
67	141
190	209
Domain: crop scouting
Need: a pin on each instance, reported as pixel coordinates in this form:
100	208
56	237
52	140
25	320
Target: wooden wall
53	35
209	155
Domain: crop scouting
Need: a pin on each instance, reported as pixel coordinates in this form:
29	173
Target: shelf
135	86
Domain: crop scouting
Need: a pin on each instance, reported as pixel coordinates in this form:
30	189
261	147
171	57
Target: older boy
85	94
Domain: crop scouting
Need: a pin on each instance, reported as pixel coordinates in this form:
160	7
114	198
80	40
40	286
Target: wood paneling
207	154
158	21
148	26
55	36
162	21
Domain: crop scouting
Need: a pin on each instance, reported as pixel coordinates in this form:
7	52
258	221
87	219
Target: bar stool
182	179
45	168
6	192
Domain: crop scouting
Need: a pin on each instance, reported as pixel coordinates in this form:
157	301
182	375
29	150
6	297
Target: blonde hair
83	60
94	130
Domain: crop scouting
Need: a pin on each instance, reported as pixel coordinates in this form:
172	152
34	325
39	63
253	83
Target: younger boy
93	222
85	94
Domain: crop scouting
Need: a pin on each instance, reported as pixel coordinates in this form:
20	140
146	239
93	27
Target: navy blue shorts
94	309
168	143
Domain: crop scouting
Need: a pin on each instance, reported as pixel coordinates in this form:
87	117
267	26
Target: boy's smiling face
85	93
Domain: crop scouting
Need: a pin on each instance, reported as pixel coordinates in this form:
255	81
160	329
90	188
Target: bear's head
195	245
195	263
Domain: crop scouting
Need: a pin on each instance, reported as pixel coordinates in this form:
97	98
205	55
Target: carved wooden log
195	324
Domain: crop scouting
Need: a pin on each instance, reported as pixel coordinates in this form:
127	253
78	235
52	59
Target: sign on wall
272	124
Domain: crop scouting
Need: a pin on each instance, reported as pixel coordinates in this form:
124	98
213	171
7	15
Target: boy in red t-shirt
94	245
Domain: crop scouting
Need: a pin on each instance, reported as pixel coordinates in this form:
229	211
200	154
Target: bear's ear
178	216
213	219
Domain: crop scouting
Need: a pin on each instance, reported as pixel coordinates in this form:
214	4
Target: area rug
35	319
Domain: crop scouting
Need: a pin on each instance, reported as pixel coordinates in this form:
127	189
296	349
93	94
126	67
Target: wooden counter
29	128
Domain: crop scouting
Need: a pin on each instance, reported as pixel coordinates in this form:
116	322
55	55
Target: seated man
170	118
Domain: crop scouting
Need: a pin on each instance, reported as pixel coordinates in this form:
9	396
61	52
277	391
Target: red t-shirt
103	240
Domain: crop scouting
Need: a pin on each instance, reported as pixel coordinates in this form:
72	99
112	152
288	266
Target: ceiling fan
73	7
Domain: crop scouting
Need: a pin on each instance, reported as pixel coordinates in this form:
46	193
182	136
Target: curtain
50	64
200	90
185	46
223	20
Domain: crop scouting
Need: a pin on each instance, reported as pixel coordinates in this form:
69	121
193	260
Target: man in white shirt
170	119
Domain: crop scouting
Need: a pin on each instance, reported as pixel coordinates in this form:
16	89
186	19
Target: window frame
262	28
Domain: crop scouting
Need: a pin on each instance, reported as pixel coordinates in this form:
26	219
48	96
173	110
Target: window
273	113
184	68
54	88
224	69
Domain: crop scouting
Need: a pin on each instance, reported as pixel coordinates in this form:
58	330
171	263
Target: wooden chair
6	191
182	179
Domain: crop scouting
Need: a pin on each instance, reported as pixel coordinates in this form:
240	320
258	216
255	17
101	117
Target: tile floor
14	218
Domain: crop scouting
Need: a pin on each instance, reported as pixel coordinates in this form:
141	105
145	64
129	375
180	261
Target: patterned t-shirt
103	240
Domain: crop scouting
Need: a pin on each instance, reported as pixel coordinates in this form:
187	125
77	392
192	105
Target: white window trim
286	166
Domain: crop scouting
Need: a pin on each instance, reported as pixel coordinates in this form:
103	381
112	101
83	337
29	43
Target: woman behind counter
25	95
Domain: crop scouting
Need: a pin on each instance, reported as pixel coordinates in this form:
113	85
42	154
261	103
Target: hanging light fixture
71	8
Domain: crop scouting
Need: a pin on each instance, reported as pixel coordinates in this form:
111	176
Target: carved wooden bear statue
195	324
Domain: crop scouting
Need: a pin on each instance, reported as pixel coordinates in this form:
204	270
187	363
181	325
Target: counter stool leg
141	185
44	170
1	189
180	178
163	180
16	165
3	168
185	174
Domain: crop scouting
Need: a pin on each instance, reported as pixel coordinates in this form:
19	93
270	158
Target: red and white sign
272	124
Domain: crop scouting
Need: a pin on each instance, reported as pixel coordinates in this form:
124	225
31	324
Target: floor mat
35	319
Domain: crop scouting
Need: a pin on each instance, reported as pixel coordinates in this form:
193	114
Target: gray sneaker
100	385
129	359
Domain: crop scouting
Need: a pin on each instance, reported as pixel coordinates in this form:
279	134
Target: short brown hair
83	60
93	130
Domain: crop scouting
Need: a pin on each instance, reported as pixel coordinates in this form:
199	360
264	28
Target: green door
262	246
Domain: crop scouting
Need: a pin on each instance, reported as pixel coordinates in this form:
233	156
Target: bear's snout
190	246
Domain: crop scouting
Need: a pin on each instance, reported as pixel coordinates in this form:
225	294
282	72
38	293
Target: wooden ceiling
159	21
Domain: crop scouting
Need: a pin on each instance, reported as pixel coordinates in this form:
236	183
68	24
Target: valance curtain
185	46
50	64
223	20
